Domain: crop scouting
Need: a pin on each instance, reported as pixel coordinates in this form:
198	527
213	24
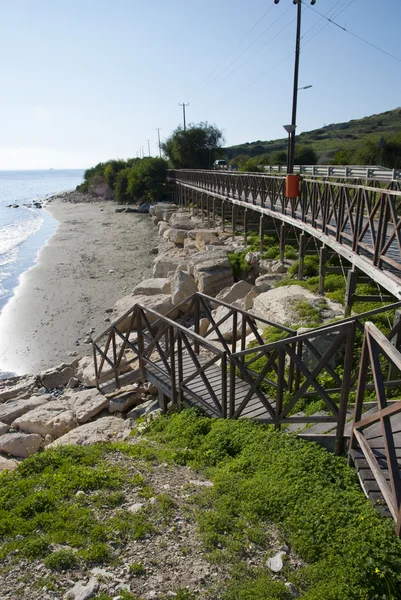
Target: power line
250	45
333	16
234	49
355	35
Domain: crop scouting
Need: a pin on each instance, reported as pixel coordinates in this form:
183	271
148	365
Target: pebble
275	563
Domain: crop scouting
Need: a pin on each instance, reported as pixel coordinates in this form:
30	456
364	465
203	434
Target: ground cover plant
262	475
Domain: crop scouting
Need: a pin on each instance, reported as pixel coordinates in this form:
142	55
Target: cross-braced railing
362	223
377	350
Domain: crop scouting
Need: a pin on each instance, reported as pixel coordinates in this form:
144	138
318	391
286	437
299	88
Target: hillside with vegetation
372	140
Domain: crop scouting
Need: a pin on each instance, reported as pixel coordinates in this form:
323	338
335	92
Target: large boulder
184	221
57	376
164	264
85	371
7	464
53	418
105	429
182	287
85	404
21	445
213	275
162	211
148	287
204	237
161	303
176	236
124	398
13	409
162	226
238	291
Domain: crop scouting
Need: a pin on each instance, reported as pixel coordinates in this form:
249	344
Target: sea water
26	229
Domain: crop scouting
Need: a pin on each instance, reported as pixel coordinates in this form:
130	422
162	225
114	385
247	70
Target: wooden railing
298	364
361	223
376	349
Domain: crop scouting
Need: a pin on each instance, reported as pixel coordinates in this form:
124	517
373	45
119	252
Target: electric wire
358	37
235	48
333	16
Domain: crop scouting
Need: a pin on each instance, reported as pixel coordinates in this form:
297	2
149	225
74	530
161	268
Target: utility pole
143	154
183	113
148	148
158	137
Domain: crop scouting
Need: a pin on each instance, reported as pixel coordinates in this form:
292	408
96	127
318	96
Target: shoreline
94	257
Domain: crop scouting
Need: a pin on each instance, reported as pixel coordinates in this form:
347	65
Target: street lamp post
291	149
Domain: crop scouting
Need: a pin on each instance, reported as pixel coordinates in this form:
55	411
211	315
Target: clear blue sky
88	80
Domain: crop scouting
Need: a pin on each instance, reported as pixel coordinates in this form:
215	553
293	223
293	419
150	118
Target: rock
184	221
123	399
163	264
253	258
250	298
85	404
85	371
272	266
161	303
53	418
148	287
279	304
154	250
182	287
203	237
199	483
275	563
143	409
134	508
56	377
7	464
177	236
226	328
163	227
20	444
105	429
295	593
4	428
238	291
83	591
73	382
48	439
212	275
264	283
162	211
17	387
13	409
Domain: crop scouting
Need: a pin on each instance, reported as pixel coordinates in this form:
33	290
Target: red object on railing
292	186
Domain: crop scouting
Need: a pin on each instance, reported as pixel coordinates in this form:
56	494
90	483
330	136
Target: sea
24	229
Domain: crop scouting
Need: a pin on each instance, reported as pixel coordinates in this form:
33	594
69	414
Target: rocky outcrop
17	387
161	303
13	409
148	287
53	418
182	287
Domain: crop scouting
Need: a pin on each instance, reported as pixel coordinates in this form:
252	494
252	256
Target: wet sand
96	257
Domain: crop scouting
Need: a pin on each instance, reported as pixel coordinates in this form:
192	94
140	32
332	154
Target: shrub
61	560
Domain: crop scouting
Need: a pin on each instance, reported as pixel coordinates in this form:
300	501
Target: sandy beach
96	257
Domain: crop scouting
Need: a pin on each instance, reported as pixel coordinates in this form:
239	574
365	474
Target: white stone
279	304
184	221
123	399
82	590
177	236
53	418
275	563
250	298
199	483
13	409
7	464
105	429
264	283
211	276
162	227
57	376
238	291
135	508
252	258
143	409
203	237
20	444
163	264
182	287
4	428
148	287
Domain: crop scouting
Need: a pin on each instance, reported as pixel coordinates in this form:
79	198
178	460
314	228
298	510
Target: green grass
263	476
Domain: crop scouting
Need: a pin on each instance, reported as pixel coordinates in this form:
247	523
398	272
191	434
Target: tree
342	157
279	157
305	156
147	180
195	148
112	169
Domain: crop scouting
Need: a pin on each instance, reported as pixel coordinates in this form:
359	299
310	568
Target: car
220	164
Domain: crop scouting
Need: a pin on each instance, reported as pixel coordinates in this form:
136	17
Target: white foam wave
11	236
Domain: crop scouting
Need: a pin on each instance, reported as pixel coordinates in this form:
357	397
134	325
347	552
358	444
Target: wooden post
214	213
302	245
345	389
322	268
261	233
245	227
280	386
283	235
233	217
396	342
202	213
163	401
208	210
223	216
350	290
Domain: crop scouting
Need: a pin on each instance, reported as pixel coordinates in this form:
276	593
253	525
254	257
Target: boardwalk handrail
342	172
374	345
305	360
361	223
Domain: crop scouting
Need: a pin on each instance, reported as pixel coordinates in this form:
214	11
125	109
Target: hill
329	139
